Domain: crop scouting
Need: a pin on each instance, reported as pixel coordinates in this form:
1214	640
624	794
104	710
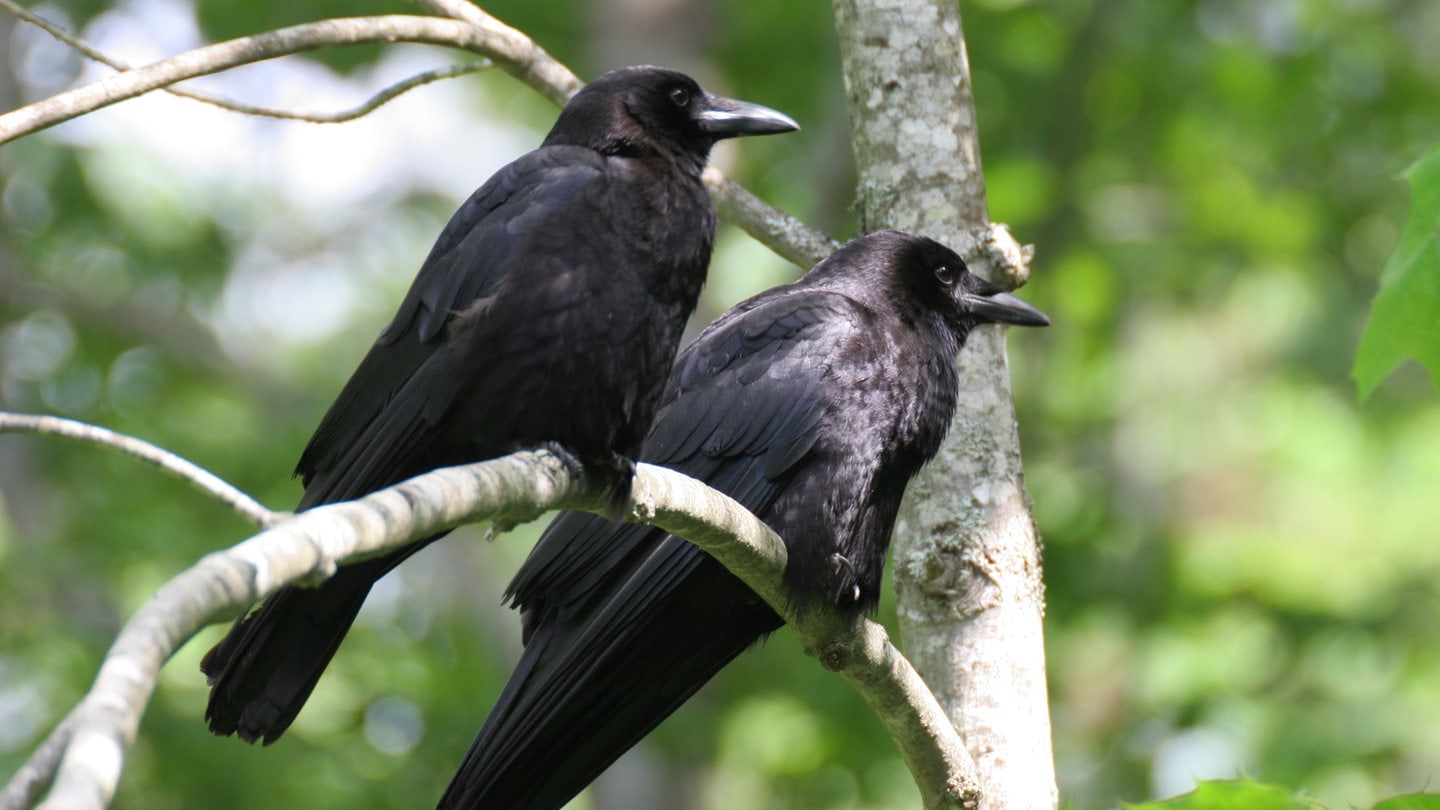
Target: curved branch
245	50
85	753
191	473
375	102
468	29
365	108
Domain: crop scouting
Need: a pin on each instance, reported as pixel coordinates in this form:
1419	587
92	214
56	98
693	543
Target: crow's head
939	276
640	110
922	280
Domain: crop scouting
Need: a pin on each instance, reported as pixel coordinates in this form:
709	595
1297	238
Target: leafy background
1242	561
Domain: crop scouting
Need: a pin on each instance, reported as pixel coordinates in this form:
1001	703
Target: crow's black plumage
813	405
548	312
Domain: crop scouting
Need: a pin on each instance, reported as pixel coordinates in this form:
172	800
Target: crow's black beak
1002	307
728	118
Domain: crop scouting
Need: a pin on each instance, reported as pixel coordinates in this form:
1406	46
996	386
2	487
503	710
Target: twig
365	108
369	106
200	478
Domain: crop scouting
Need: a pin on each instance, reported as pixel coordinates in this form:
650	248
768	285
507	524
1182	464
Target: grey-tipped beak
1002	307
728	118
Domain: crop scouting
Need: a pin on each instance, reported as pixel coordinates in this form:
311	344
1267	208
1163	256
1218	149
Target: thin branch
792	239
513	489
191	473
245	50
369	106
61	34
470	29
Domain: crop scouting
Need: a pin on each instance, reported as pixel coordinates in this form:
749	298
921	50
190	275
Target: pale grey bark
966	556
82	759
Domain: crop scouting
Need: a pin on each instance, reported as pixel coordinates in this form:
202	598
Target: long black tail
265	668
591	684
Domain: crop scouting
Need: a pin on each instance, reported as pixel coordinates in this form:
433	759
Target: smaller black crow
813	405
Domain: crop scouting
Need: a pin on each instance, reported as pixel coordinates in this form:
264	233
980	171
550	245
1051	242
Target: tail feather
589	687
265	668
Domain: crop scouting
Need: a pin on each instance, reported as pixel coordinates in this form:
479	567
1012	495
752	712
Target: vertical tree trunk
966	557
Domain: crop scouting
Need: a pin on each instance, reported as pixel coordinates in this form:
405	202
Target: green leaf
1237	794
1405	319
1411	801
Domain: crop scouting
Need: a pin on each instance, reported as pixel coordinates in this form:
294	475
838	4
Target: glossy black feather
813	405
548	311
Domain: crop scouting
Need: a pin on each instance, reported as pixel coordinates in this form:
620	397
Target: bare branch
369	106
202	479
89	745
245	50
360	110
61	34
470	29
792	239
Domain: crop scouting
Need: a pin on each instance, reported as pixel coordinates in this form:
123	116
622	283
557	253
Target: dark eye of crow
680	96
946	274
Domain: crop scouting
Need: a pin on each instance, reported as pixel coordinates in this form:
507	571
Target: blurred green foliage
1247	794
1240	794
1241	561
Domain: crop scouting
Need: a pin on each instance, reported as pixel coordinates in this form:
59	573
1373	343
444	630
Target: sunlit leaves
1240	794
1246	794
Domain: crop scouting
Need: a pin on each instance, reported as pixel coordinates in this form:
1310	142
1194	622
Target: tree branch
191	473
792	239
365	108
469	29
516	53
233	53
82	759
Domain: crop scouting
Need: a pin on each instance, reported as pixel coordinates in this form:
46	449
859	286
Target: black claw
614	472
619	475
570	460
845	573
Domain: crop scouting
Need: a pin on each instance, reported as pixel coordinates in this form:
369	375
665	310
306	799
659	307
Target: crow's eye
946	274
680	96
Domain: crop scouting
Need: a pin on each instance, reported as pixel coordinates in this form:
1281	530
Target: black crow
813	405
548	312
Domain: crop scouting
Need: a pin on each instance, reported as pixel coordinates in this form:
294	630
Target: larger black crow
813	405
548	312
